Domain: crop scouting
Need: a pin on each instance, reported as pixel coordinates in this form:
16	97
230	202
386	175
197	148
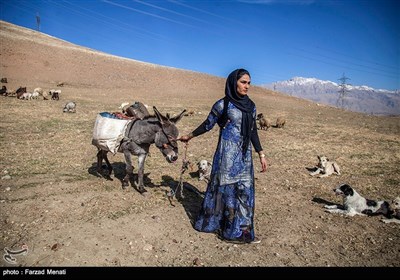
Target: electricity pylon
342	91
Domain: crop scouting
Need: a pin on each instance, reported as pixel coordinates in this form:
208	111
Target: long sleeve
211	120
201	129
255	140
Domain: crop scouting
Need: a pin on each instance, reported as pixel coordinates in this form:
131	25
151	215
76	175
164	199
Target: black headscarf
242	102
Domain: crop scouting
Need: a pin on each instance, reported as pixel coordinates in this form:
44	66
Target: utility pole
38	21
342	91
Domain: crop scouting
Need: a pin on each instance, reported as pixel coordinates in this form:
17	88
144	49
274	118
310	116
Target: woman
228	206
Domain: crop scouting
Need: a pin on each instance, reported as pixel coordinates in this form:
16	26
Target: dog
395	212
204	170
355	204
325	167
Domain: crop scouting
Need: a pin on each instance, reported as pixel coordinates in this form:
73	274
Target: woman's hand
263	164
263	161
185	138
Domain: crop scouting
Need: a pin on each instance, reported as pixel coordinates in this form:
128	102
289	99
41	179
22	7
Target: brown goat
20	91
263	123
280	122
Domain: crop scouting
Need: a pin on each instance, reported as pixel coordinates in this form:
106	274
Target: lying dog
355	204
395	212
204	170
326	167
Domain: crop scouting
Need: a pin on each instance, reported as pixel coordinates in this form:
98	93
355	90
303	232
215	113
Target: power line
342	91
38	21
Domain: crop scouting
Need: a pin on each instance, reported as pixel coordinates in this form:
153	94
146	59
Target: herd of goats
21	93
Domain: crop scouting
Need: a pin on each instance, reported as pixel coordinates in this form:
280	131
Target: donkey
140	134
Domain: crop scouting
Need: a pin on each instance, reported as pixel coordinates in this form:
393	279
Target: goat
3	90
263	122
280	122
70	107
35	95
38	90
25	96
20	91
56	94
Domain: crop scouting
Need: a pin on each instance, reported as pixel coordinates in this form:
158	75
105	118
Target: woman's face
243	85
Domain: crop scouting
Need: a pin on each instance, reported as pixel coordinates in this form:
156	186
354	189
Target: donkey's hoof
108	177
141	190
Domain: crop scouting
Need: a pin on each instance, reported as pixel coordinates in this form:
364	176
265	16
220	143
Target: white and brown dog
204	170
394	212
326	167
355	204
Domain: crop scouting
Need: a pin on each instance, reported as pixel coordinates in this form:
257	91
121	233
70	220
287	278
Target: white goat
26	96
35	95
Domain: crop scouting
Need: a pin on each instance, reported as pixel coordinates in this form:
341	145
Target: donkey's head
166	137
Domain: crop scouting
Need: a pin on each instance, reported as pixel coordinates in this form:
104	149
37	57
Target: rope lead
185	166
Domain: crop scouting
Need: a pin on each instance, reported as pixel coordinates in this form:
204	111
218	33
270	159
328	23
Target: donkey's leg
99	161
101	154
141	160
109	166
128	168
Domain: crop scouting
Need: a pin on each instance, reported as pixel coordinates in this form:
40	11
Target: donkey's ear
159	116
178	117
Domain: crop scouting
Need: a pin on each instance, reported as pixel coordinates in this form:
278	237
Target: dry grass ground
53	202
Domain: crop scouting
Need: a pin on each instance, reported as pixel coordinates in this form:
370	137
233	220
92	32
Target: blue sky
274	40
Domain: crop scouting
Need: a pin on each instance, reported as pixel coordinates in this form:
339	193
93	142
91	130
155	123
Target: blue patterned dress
228	206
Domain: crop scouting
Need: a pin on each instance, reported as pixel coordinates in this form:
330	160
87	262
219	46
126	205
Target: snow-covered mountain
362	99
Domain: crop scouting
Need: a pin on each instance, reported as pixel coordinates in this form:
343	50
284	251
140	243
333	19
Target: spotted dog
355	204
394	212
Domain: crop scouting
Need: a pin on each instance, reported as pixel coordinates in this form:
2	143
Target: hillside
52	201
